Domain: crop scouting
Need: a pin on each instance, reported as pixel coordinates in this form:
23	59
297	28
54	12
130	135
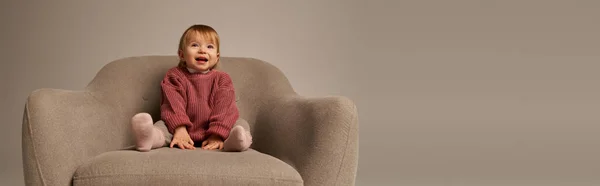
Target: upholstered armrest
317	136
62	129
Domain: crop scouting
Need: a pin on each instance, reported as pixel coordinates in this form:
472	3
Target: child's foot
146	135
239	140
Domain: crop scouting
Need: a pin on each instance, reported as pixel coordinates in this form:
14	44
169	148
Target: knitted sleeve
224	109
173	105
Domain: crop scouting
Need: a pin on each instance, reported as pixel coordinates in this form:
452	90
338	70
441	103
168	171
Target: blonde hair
204	31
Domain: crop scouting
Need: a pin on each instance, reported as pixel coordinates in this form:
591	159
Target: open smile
201	59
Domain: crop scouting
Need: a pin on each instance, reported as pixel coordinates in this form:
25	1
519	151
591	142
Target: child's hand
213	142
182	139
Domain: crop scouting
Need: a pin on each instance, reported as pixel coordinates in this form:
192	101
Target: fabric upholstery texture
70	137
166	166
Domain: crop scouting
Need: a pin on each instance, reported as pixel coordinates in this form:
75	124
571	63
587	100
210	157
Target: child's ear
180	53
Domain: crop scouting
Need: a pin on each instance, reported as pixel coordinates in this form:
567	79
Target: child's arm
173	112
224	112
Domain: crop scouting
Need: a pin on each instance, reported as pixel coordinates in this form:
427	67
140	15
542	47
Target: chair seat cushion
170	166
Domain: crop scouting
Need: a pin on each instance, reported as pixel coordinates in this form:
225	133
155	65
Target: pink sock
239	140
147	136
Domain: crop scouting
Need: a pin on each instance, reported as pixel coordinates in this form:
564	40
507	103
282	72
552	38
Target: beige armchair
81	137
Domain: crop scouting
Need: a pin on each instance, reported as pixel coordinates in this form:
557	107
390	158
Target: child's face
199	53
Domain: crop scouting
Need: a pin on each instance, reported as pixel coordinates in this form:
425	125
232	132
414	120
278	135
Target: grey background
459	92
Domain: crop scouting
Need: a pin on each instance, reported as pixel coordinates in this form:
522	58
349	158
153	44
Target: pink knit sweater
204	103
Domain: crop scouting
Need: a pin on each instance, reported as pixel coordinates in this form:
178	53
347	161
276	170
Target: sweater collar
195	71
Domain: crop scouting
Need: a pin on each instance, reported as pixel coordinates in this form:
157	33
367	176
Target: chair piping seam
37	163
337	177
122	175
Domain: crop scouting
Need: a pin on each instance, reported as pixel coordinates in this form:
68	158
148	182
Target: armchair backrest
132	85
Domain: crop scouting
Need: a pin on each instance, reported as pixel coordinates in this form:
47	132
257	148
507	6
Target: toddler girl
198	102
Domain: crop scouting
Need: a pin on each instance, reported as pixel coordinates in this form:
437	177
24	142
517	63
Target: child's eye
194	45
210	46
